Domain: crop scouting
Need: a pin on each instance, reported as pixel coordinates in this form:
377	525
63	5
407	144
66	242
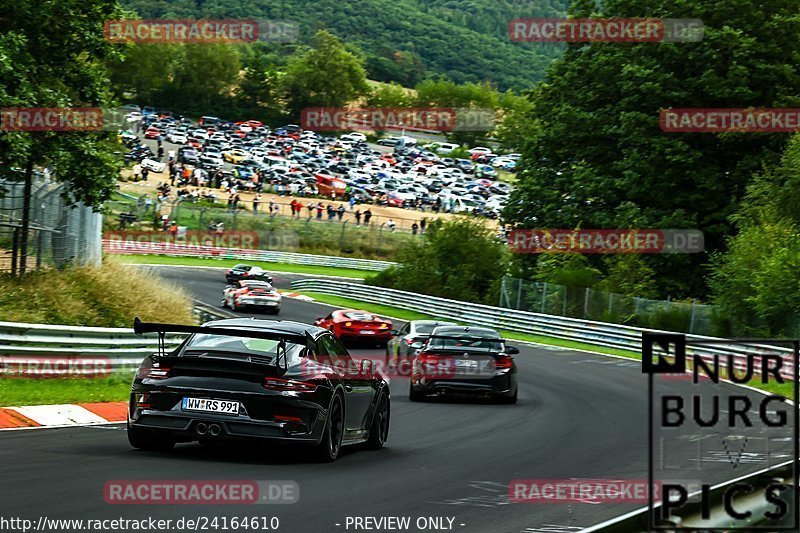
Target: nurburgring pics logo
605	241
432	119
199	31
606	30
203	492
719	120
704	427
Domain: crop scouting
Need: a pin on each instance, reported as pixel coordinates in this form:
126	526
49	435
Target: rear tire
146	439
508	400
328	448
379	429
415	396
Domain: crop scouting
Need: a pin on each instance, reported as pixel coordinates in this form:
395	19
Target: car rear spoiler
466	337
304	339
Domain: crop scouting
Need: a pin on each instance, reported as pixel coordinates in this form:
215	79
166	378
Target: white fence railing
112	246
559	327
120	349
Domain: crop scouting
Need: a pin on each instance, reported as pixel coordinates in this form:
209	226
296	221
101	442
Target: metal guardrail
690	518
585	331
270	256
123	349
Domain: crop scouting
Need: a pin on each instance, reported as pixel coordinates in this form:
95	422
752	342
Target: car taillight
288	418
288	385
153	372
503	361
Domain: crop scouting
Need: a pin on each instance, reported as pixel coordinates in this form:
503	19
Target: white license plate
367	332
466	363
210	406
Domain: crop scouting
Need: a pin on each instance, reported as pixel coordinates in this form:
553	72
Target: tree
388	95
755	282
446	93
516	126
53	55
458	259
326	75
599	159
258	93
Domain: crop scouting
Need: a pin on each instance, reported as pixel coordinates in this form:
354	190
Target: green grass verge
378	309
783	389
32	391
227	263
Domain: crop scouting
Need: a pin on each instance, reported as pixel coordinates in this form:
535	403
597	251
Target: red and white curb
296	296
62	415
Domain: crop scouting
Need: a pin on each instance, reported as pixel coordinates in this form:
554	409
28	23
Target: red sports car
352	324
152	133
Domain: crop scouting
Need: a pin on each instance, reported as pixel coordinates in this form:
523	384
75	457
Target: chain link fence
601	306
60	234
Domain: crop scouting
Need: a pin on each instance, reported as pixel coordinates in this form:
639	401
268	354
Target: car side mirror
512	350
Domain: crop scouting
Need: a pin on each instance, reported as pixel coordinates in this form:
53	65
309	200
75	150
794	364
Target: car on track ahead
252	294
465	360
355	325
254	379
410	338
243	271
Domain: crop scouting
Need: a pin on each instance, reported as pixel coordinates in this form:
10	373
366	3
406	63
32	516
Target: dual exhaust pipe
207	429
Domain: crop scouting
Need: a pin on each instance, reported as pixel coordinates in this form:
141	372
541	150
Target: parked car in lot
465	360
388	141
211	160
252	294
251	379
235	155
189	156
153	165
152	133
177	137
355	325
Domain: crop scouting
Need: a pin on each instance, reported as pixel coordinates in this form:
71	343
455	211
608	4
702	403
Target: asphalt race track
579	416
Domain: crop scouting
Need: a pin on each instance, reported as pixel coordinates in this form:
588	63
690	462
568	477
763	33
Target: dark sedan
256	379
464	360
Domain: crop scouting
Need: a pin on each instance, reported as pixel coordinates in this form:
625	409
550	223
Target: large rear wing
305	339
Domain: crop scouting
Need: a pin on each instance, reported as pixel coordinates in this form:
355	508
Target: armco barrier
559	327
270	256
121	346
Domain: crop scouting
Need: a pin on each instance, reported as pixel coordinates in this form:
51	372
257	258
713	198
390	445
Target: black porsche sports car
256	379
465	360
